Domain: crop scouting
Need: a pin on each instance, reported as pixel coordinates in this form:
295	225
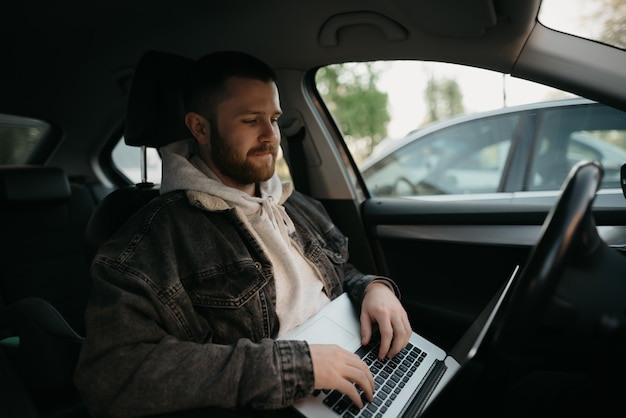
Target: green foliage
359	108
443	99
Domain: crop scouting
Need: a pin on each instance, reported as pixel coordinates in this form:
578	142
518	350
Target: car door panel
450	258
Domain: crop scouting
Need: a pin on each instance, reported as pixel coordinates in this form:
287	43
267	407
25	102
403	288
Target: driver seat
154	118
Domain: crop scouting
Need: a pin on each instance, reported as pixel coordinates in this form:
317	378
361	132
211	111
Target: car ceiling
83	53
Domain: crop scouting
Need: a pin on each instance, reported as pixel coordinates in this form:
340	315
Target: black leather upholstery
44	281
155	113
31	184
48	347
42	222
113	211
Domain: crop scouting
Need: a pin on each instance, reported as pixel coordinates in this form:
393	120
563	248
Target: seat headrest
155	113
30	184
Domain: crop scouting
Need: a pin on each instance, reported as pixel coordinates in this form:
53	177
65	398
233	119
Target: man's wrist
385	282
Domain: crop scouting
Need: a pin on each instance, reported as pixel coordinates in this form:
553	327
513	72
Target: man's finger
351	391
386	336
399	341
360	376
366	329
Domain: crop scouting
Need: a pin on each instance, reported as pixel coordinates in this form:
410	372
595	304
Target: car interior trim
515	235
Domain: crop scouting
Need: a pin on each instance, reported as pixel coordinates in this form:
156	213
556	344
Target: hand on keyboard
381	306
390	377
337	368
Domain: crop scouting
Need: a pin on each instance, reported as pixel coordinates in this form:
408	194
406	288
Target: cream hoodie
299	291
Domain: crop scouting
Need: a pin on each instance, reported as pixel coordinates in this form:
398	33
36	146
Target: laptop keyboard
390	376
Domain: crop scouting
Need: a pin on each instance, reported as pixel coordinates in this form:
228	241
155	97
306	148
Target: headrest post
143	163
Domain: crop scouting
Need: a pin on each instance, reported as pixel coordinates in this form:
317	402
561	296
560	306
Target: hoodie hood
187	171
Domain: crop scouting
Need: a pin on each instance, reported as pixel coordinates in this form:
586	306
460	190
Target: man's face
244	140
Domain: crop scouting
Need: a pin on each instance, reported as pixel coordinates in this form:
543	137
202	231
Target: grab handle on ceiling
328	35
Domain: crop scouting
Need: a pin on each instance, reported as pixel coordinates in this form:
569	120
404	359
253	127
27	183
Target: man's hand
337	368
381	306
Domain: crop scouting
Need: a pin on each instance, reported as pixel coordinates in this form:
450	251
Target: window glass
598	20
467	158
567	135
446	131
19	138
127	159
282	168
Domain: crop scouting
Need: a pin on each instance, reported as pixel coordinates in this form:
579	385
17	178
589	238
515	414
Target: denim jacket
182	313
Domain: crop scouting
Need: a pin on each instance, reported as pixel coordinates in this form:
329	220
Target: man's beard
242	171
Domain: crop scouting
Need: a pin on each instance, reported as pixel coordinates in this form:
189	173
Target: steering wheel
569	264
568	229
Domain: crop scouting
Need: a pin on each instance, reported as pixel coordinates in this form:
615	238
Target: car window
127	160
466	158
598	20
449	130
567	135
20	138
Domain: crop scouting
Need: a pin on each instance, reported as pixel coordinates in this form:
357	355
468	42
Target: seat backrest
44	280
111	213
154	117
42	222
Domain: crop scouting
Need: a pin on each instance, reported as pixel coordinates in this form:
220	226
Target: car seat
44	281
154	117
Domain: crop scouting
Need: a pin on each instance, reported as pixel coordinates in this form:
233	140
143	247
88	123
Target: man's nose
271	132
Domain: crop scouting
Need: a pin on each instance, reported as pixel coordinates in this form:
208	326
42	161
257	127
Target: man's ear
199	127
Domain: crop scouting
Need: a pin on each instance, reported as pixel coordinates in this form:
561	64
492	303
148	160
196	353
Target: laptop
405	385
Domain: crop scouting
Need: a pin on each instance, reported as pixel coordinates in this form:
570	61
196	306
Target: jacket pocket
226	286
233	302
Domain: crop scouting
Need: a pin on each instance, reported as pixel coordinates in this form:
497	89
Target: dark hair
205	85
